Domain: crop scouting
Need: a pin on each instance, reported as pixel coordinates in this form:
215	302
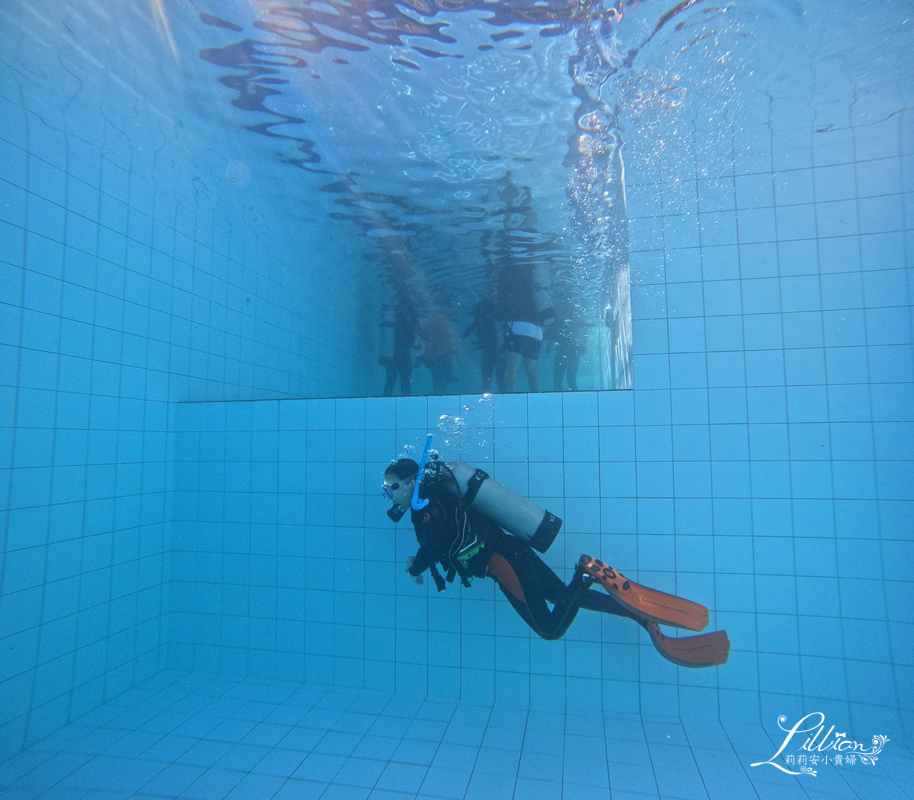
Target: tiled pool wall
284	565
773	374
132	276
762	464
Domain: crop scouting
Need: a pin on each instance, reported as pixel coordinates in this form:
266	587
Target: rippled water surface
452	144
462	139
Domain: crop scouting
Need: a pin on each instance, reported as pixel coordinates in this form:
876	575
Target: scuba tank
503	507
475	489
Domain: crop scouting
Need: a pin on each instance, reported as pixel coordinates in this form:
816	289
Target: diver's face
399	491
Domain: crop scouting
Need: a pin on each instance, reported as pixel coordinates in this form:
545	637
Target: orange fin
704	650
667	609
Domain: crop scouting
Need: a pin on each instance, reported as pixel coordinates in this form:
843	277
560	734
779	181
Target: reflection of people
570	344
456	529
485	326
523	340
438	337
523	333
398	337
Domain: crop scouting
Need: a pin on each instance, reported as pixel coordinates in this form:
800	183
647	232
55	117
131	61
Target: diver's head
399	480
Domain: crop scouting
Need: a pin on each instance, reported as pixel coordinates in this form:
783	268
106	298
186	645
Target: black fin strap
473	485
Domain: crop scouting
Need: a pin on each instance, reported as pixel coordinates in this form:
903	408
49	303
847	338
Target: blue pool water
200	594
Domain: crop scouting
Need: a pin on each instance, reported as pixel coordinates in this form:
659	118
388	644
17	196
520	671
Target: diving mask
396	512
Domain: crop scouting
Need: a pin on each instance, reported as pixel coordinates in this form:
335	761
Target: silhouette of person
398	337
570	346
485	326
437	334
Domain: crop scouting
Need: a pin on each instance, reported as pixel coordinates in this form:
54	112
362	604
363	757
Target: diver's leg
508	581
528	584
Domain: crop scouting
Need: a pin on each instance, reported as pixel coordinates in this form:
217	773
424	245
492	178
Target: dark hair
402	468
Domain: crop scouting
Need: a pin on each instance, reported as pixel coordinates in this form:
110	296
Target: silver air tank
512	512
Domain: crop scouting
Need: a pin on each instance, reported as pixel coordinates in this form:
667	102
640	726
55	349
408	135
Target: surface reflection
474	149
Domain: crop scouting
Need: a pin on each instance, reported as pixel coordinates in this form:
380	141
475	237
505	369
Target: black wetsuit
468	545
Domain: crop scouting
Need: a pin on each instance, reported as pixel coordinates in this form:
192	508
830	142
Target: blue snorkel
416	503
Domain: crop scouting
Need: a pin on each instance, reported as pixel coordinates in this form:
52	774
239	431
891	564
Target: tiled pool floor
204	737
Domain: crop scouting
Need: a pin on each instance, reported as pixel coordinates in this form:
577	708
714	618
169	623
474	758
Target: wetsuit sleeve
422	561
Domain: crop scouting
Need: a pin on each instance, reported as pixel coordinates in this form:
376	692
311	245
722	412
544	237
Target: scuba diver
474	528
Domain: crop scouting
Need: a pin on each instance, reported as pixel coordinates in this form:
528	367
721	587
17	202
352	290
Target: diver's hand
417	579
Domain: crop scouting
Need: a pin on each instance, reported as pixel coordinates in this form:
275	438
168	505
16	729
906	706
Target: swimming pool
200	594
